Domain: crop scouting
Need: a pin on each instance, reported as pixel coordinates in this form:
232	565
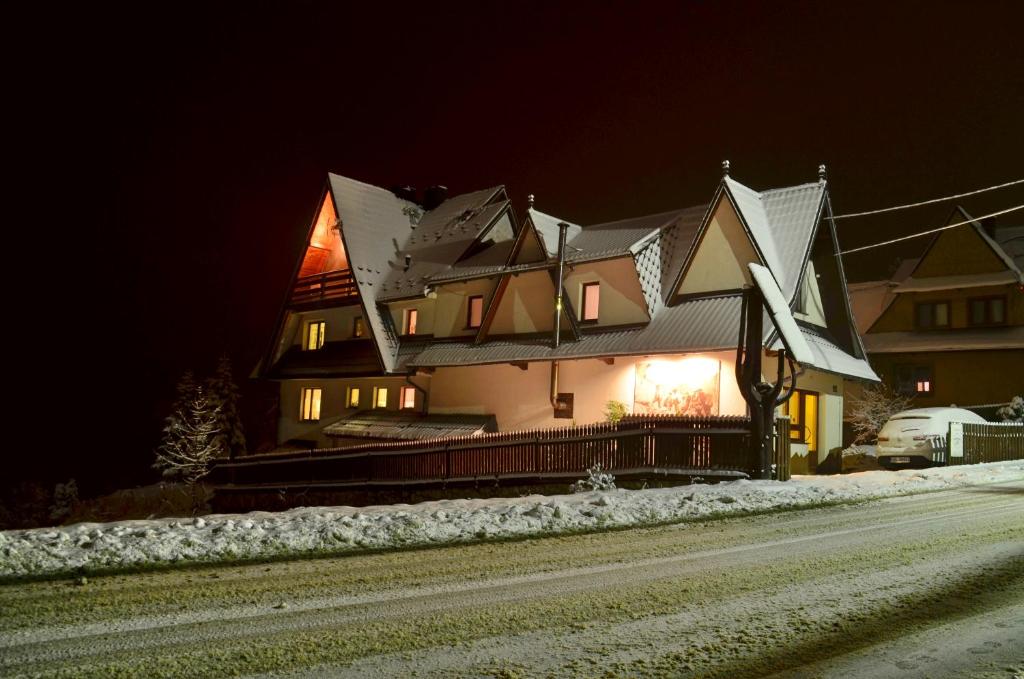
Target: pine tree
189	445
224	395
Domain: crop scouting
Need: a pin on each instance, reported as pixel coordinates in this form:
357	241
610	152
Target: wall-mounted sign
683	386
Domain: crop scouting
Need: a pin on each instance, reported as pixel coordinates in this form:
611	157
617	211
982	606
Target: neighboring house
948	327
409	319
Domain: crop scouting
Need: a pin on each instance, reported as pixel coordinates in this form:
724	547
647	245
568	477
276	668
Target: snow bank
92	547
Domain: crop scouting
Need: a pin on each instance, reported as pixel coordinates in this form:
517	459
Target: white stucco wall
528	305
621	301
720	262
451	306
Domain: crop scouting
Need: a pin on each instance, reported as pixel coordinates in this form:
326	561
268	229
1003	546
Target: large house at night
948	327
411	319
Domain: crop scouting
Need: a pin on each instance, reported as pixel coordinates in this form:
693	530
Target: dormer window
408	399
380	397
982	311
591	302
409	324
358	327
313	335
352	397
475	312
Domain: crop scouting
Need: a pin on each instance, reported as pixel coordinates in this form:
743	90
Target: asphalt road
922	586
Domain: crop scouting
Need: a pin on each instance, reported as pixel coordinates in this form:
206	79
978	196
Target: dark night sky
192	146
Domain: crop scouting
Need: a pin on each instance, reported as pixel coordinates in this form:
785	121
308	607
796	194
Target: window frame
800	426
401	398
584	307
349	392
933	325
321	326
410	317
987	300
469	312
919	372
303	403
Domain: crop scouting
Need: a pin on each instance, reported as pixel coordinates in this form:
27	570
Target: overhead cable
925	233
929	202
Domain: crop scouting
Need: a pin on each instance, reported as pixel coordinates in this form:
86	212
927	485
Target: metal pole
562	229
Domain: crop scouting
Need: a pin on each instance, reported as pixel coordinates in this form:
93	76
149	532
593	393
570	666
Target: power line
925	233
929	202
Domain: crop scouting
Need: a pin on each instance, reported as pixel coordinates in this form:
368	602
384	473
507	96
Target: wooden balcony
333	288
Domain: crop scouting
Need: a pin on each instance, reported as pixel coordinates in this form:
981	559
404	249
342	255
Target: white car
917	438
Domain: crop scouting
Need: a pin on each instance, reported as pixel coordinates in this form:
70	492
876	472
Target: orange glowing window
408	400
326	251
411	316
475	312
591	301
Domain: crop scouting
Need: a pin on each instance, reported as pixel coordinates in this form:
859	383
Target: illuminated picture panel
682	386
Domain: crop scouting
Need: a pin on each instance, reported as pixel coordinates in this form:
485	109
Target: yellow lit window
591	301
408	400
309	404
380	397
352	397
411	316
358	328
314	335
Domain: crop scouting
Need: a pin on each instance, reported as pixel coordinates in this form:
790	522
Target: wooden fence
648	446
783	449
991	442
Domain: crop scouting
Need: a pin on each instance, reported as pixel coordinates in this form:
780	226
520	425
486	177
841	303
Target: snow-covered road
921	585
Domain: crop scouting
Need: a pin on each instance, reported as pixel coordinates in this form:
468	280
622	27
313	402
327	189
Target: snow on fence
635	446
991	442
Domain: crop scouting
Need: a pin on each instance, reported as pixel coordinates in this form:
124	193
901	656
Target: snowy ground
97	547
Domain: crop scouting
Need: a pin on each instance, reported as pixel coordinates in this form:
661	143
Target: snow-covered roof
977	280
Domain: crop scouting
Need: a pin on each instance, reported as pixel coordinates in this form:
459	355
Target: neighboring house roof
1011	240
978	280
1011	337
378	424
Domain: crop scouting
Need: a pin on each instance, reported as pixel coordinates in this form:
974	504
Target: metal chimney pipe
562	229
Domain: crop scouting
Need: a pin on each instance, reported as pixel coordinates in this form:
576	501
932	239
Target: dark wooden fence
635	447
332	287
992	443
783	449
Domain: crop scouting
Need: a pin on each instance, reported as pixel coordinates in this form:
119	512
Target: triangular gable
547	228
962	250
720	254
524	304
528	249
324	248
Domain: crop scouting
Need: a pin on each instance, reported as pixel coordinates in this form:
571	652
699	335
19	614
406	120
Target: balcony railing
324	289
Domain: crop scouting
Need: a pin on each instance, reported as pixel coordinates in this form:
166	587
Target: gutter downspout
556	340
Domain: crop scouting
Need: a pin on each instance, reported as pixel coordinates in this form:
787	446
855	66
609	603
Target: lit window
352	397
987	311
932	315
314	335
410	322
802	409
914	380
358	327
408	398
475	312
309	404
591	301
380	397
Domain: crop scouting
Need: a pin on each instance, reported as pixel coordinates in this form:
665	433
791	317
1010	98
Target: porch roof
375	424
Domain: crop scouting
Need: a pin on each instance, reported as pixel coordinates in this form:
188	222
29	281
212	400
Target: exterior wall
519	399
720	262
452	305
425	308
899	317
965	378
526	306
622	299
332	404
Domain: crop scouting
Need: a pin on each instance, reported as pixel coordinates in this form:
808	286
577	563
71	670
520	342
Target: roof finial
529	201
725	168
821	172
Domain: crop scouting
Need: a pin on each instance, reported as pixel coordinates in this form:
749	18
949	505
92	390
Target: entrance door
802	409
